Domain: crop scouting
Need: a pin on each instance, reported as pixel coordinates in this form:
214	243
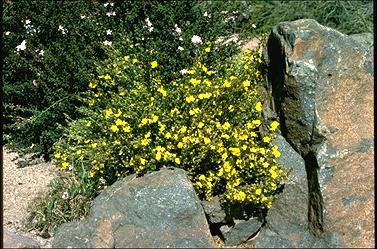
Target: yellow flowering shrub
208	122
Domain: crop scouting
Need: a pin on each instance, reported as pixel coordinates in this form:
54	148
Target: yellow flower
258	106
190	99
92	85
235	151
246	83
118	113
154	118
195	81
243	137
227	83
144	142
103	143
273	173
274	125
114	128
192	71
204	95
185	139
180	145
275	151
266	139
134	60
207	140
256	122
220	173
108	112
147	135
57	155
127	128
143	161
241	196
158	156
177	160
207	82
119	122
154	64
227	167
93	145
226	126
194	111
168	135
202	177
232	77
200	125
258	191
107	77
208	49
144	121
204	69
183	129
65	165
162	91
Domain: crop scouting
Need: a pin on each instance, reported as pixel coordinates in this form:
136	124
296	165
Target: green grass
348	17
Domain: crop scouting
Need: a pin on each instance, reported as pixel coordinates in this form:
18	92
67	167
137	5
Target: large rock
287	221
12	240
159	209
322	85
241	231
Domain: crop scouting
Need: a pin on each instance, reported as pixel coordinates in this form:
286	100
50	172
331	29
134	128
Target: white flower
65	195
61	28
180	48
27	21
230	18
102	180
105	4
40	52
108	32
149	24
183	71
207	15
22	46
107	43
82	16
196	39
253	25
7	33
112	13
111	4
180	38
177	29
70	167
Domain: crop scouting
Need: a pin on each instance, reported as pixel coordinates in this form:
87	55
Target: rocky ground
20	187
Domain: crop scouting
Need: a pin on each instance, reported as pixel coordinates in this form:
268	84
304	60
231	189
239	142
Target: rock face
160	209
322	86
12	240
